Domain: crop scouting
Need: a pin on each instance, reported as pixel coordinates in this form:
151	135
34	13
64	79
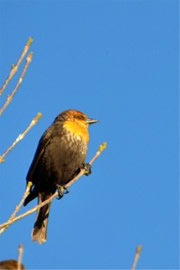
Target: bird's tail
39	232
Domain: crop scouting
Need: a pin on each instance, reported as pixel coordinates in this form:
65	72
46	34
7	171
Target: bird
10	265
59	157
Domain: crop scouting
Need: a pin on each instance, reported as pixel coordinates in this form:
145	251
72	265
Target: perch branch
10	97
21	136
10	221
14	68
136	257
26	193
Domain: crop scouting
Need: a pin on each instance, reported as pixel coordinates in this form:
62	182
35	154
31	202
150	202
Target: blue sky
117	61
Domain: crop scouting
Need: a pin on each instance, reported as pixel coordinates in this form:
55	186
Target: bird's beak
91	121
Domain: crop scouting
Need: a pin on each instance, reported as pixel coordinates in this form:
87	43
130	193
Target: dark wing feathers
44	141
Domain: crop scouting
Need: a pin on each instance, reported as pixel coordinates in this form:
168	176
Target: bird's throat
77	129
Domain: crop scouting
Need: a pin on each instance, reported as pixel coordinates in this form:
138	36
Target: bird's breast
77	130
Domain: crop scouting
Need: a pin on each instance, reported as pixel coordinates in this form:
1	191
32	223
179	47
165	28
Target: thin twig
14	68
21	136
26	193
20	253
10	97
136	257
35	208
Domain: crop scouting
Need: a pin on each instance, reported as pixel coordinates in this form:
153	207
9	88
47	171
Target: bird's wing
44	141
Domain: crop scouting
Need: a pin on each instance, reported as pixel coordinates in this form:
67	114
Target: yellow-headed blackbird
10	265
59	157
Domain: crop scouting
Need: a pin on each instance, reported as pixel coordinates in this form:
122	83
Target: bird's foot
61	191
87	168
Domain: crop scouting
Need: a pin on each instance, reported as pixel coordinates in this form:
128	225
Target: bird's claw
61	191
87	169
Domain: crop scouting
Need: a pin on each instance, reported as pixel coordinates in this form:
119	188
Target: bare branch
10	97
20	253
136	257
21	136
26	193
32	210
14	68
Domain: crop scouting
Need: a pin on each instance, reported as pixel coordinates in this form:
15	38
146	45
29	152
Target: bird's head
78	117
76	122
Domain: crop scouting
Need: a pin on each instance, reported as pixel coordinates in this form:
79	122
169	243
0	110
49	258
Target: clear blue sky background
117	61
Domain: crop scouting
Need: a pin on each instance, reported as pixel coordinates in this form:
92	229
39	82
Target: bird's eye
81	117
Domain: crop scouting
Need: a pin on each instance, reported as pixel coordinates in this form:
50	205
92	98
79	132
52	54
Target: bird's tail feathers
39	232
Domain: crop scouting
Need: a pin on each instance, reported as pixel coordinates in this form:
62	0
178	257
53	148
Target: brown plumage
10	265
59	157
